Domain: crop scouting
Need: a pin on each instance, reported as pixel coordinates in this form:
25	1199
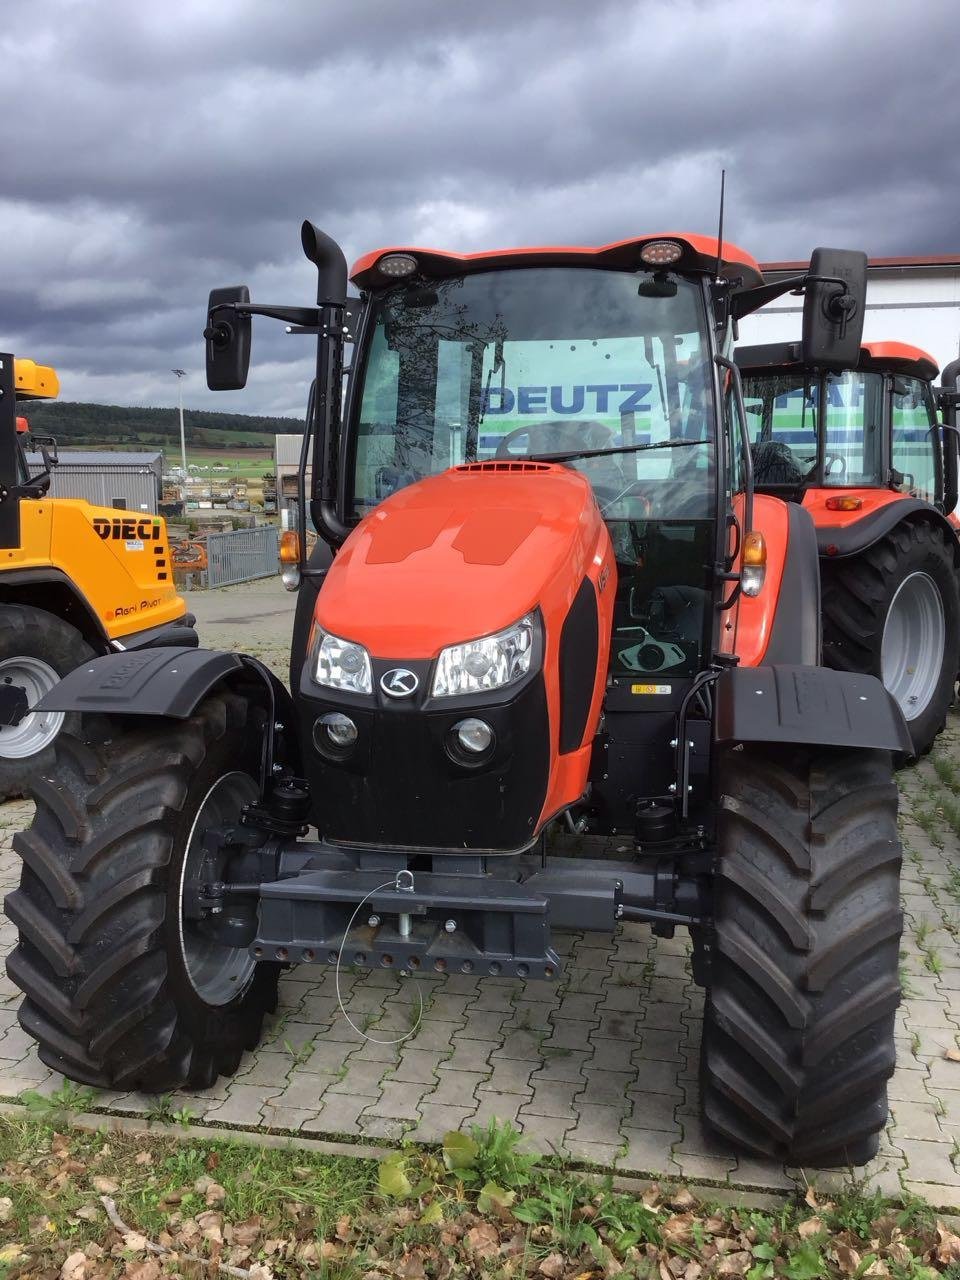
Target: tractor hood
460	555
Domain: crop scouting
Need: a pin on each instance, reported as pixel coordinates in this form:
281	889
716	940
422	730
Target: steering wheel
830	458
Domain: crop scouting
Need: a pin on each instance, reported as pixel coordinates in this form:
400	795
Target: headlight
340	664
489	663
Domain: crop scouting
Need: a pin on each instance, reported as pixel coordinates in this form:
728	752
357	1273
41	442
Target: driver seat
774	463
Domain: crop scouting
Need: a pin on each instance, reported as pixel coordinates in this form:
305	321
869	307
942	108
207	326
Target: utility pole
181	374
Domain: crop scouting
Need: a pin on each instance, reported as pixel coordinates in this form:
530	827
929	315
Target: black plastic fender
807	705
173	682
835	541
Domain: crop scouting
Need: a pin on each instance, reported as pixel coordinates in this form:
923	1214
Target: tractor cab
847	440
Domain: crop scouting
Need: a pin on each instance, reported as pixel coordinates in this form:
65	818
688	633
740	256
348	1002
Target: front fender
144	682
172	682
815	706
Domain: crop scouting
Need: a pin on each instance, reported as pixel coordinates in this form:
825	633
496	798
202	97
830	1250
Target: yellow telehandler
75	581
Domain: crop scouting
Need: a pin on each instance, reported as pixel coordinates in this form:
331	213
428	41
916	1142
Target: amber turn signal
754	567
290	559
755	550
290	547
843	502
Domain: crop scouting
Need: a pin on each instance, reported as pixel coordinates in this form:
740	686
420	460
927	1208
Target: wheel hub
217	972
911	651
23	732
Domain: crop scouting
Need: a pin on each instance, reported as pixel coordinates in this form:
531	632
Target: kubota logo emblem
399	683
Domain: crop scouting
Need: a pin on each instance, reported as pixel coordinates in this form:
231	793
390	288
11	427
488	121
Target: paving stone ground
602	1068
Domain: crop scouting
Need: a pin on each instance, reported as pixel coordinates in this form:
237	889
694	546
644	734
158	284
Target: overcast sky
153	150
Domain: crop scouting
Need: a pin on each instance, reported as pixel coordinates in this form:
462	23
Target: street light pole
181	374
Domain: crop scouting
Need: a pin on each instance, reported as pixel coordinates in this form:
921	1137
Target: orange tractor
863	450
547	591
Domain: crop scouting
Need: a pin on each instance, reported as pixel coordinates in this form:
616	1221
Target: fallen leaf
677	1228
810	1227
953	1055
88	1212
11	1253
948	1244
148	1270
735	1264
215	1194
651	1195
484	1240
811	1198
343	1230
848	1259
682	1199
553	1266
74	1266
135	1241
105	1186
213	1159
714	1224
143	1157
410	1267
675	1266
245	1233
693	1271
6	1208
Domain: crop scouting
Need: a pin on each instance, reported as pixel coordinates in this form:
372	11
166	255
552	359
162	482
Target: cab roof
699	254
899	357
34	381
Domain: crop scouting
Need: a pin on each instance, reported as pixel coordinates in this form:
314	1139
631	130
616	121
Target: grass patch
482	1206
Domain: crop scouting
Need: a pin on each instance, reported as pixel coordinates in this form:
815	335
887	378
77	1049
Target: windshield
788	412
540	361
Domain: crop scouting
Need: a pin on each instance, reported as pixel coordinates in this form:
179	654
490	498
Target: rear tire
104	958
858	594
36	650
798	1037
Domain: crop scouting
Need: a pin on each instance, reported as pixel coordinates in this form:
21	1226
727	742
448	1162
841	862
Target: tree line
74	423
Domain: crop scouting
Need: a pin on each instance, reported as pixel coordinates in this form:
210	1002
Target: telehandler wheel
121	990
36	649
893	611
798	1036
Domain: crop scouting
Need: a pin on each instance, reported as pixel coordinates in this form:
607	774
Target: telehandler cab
553	595
864	451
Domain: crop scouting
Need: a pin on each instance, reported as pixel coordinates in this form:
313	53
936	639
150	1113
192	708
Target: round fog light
334	729
474	735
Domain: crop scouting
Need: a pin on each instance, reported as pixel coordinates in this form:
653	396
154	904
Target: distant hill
118	426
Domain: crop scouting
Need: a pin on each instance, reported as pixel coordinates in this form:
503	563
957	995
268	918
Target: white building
915	300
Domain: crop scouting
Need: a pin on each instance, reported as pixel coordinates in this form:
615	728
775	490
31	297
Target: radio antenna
723	178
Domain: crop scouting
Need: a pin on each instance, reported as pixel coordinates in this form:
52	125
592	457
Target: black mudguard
815	706
173	682
835	542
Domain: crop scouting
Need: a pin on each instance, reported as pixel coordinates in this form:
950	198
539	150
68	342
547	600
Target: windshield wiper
672	442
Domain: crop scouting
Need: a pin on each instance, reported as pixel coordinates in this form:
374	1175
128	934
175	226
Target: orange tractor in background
863	450
548	593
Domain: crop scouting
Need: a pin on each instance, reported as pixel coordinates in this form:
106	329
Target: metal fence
241	556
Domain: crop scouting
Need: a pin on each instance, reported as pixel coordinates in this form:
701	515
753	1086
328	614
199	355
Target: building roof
875	264
102	460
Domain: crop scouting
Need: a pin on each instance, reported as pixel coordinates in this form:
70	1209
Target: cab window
914	451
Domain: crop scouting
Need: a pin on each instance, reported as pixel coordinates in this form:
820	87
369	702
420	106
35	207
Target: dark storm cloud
157	150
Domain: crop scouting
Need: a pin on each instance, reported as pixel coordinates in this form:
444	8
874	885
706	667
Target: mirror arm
749	300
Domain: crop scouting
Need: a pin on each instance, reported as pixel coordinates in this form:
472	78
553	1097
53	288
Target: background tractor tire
36	650
893	611
798	1037
119	990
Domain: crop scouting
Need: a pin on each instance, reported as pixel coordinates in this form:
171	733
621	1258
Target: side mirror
228	339
947	400
833	308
